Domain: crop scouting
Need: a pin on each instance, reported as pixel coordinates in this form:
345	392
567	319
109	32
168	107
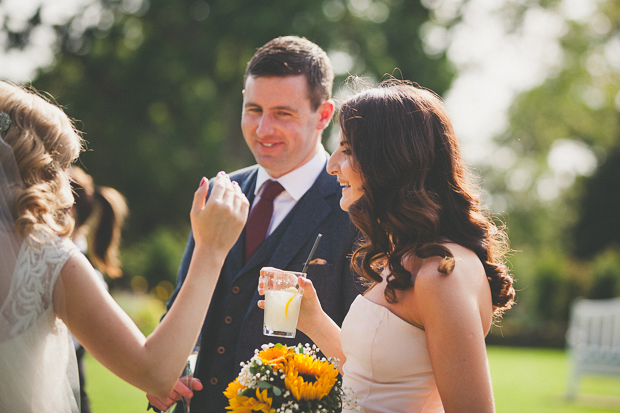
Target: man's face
278	123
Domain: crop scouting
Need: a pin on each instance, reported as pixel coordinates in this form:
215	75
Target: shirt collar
298	181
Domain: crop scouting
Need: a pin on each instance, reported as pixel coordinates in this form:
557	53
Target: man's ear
326	112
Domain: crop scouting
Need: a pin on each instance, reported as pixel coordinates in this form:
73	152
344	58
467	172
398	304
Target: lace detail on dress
37	268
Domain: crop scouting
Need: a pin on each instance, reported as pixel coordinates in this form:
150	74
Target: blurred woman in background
99	213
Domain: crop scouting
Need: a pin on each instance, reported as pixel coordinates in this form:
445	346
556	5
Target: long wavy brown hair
44	143
418	192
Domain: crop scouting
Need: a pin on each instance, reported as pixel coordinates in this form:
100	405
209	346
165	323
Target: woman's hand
218	221
310	310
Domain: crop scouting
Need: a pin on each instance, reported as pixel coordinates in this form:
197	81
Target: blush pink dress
388	368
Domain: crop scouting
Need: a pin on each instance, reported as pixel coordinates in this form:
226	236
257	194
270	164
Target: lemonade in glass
282	301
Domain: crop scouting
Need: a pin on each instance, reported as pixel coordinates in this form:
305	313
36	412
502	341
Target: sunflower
275	356
308	378
234	389
244	404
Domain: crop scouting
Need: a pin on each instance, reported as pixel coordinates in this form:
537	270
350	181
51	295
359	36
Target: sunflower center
308	378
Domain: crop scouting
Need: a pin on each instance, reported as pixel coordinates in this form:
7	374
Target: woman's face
342	164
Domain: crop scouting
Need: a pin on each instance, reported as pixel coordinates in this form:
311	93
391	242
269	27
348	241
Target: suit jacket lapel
312	210
302	221
305	217
236	257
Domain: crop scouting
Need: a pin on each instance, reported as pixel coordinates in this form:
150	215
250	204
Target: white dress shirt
296	183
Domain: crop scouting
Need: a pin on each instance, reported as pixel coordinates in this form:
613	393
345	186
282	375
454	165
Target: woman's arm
456	312
155	363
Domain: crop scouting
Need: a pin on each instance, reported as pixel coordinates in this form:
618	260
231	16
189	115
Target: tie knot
271	190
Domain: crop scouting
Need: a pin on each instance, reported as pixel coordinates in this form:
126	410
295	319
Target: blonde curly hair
45	143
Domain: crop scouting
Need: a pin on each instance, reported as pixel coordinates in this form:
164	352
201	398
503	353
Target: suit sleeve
187	258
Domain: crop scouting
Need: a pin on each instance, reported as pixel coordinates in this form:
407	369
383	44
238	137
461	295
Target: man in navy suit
286	106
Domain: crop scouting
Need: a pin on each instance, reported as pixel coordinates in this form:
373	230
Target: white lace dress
38	371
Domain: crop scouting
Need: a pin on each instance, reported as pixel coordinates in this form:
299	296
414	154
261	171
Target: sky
494	62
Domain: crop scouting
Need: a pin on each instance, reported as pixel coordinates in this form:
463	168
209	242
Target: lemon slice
287	304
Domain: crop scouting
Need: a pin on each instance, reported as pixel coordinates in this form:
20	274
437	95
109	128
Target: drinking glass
188	375
282	301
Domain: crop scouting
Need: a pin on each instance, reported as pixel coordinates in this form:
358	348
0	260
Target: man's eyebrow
282	107
286	108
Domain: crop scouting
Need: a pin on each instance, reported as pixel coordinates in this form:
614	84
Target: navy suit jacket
233	327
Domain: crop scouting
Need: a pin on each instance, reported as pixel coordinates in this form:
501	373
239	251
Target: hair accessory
5	122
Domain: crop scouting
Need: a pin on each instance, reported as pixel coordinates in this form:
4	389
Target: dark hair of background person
100	213
417	192
292	56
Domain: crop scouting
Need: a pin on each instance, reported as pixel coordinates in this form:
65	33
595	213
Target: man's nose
265	126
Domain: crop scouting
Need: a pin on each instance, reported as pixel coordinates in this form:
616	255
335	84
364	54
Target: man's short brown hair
292	56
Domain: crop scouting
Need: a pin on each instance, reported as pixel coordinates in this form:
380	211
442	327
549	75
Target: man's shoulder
327	184
243	174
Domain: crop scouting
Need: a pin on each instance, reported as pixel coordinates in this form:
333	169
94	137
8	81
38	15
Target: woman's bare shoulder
468	271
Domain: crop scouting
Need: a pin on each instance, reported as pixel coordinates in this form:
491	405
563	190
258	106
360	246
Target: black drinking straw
316	243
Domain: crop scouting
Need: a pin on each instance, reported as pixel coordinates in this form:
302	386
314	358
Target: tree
562	221
157	85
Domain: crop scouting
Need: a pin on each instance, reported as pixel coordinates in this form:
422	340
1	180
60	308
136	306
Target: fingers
181	388
162	405
200	195
309	291
229	194
240	203
261	284
218	220
261	304
265	270
217	192
197	384
220	186
225	192
307	285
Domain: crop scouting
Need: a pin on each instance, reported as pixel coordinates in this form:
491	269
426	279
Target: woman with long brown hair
433	260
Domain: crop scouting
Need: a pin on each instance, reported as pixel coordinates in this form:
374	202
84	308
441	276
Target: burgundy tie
260	218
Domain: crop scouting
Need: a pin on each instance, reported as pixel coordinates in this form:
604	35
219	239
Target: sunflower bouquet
281	379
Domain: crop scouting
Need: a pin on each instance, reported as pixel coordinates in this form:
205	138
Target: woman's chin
345	204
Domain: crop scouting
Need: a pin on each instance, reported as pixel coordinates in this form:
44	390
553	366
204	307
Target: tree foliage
156	86
563	213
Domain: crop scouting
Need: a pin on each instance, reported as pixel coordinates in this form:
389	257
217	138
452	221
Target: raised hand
218	221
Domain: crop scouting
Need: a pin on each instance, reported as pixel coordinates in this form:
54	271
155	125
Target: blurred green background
532	86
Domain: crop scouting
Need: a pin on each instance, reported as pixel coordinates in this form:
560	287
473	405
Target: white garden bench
593	339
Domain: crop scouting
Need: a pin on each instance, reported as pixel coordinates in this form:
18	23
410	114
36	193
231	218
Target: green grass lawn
108	393
535	380
525	380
